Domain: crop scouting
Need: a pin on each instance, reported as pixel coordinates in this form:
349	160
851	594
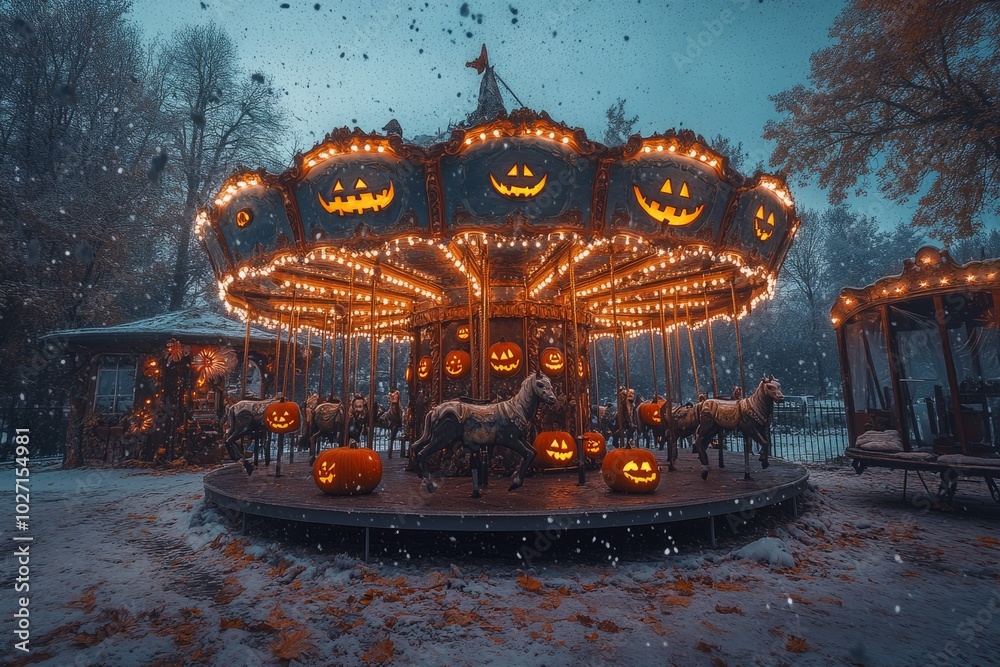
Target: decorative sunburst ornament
212	364
176	351
142	421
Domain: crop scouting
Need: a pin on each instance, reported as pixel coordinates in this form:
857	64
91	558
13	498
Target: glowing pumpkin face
463	334
649	413
581	369
552	361
763	227
424	368
594	446
457	364
631	471
359	200
676	209
505	358
244	217
282	417
556	449
520	183
347	471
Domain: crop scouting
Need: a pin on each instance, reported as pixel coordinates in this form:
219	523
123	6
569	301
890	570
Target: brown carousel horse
392	421
685	423
455	424
751	416
245	418
322	420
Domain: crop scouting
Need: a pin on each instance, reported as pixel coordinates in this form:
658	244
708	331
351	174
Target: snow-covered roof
186	325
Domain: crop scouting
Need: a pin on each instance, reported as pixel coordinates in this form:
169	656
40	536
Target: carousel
497	257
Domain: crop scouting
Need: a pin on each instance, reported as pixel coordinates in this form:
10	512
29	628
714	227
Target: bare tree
619	127
217	116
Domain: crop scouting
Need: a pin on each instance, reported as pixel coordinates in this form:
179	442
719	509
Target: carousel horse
751	416
392	421
322	420
455	424
625	417
604	415
244	418
685	423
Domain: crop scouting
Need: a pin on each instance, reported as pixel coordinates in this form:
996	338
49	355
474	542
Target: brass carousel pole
739	342
694	363
665	344
294	352
374	359
484	322
677	350
575	376
347	344
246	359
614	324
652	356
711	349
322	355
305	370
354	368
477	367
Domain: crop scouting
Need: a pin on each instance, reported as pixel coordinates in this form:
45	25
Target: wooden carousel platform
547	500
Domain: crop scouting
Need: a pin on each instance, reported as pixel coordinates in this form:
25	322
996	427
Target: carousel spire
490	103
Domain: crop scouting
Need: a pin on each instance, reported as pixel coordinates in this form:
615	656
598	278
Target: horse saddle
474	401
326	412
727	413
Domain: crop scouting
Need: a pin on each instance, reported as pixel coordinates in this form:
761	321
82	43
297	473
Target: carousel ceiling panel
253	222
667	190
532	179
359	194
764	220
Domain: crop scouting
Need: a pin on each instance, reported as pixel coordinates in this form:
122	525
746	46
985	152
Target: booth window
115	390
926	399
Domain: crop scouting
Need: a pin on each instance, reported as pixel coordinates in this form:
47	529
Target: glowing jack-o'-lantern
463	334
282	417
505	358
347	471
649	412
555	449
676	212
424	367
631	470
581	368
361	200
595	446
244	217
519	184
552	361
763	228
457	364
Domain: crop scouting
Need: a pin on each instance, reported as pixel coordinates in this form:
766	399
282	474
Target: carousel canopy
194	325
501	209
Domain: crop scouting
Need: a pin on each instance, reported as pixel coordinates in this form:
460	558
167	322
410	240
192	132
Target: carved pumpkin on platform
282	417
347	471
631	470
519	183
505	358
595	446
424	368
457	364
359	199
464	333
649	412
673	205
763	226
552	361
555	449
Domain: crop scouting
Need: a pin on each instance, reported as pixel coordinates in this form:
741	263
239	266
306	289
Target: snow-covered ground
132	568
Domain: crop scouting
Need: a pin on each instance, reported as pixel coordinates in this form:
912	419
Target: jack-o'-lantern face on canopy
358	198
552	361
763	227
457	364
519	183
424	367
673	205
463	334
505	358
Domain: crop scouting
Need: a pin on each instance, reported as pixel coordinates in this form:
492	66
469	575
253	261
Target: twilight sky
706	65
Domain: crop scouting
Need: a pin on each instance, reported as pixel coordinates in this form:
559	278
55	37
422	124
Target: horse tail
425	436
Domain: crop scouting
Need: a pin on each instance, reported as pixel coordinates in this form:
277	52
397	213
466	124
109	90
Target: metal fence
46	429
809	432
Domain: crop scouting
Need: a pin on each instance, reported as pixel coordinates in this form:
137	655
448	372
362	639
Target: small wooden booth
157	388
